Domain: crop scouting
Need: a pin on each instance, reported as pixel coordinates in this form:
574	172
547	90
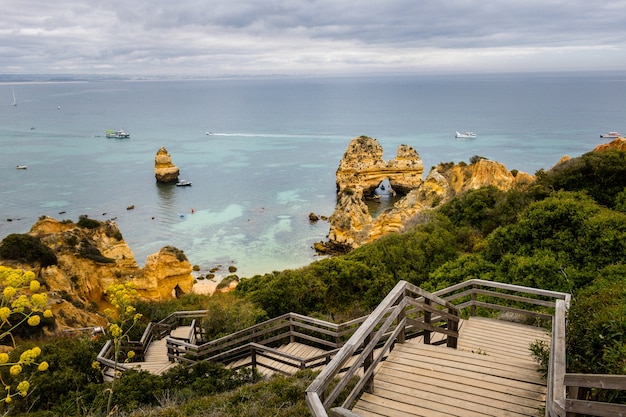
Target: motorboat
183	183
610	135
21	167
465	135
117	134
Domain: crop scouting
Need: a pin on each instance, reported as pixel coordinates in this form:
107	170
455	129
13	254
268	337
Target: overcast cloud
304	37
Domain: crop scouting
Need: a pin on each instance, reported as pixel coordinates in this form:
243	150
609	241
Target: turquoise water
273	152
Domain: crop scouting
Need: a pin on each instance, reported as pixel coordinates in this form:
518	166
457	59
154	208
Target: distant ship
14	99
610	135
118	134
465	135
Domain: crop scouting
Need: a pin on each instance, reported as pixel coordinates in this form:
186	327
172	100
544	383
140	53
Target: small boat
465	135
14	99
183	183
610	135
117	134
209	133
21	167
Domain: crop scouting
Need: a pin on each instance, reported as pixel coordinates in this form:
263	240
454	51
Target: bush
27	249
87	223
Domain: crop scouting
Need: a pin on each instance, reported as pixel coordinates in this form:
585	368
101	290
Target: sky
215	38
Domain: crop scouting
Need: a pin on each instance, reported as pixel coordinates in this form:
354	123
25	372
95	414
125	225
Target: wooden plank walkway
297	349
156	361
490	374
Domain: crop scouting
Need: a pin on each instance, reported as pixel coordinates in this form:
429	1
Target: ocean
274	147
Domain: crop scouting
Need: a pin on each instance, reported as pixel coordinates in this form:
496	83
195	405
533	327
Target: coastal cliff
92	255
362	173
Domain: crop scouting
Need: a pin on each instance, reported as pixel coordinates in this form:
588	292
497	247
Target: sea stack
164	170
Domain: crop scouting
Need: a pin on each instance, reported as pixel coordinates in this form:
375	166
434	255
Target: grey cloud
78	34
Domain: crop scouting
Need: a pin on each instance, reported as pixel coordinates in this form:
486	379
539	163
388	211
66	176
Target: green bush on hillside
28	249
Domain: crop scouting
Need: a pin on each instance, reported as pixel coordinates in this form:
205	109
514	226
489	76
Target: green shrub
87	223
28	249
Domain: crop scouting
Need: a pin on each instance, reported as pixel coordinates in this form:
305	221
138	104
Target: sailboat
14	100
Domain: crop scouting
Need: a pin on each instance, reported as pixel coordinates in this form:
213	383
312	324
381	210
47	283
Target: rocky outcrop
363	166
166	274
618	144
91	256
362	170
164	170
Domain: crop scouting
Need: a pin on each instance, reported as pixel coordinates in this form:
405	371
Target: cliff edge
362	173
90	256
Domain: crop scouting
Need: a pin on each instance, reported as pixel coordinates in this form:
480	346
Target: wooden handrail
379	326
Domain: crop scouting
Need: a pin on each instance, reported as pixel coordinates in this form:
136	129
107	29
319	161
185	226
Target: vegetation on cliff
562	233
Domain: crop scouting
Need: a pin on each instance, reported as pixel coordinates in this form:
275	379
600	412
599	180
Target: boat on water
610	135
14	99
183	183
117	134
21	167
465	135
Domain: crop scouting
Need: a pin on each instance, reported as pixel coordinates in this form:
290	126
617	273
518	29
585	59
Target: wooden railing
565	396
153	331
361	344
406	308
262	340
564	391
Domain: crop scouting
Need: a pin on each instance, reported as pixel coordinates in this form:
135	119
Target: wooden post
253	358
367	363
453	325
427	320
402	335
473	307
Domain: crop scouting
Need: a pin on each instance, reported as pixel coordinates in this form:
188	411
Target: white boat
610	135
183	183
14	99
465	135
21	167
118	134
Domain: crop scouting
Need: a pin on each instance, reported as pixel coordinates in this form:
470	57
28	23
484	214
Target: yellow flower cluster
21	304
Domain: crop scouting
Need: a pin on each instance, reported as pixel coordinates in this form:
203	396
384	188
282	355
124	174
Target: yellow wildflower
47	314
15	370
7	399
34	320
116	331
23	387
39	300
9	292
43	366
34	286
5	313
4	358
20	303
28	356
95	365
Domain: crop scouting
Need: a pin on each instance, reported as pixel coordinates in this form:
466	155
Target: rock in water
164	170
362	170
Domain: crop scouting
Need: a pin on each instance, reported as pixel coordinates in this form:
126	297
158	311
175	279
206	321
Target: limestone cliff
618	144
362	170
164	170
92	255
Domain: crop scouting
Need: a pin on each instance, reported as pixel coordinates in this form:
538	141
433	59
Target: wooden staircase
490	374
156	360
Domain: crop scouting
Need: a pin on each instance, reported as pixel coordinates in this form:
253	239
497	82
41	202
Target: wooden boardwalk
490	374
266	365
156	361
